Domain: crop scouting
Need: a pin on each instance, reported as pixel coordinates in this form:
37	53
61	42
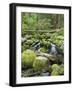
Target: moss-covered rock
56	67
28	58
54	73
57	70
41	63
61	72
29	42
42	49
28	36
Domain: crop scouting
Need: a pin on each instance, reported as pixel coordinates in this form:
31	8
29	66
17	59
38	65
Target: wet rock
44	74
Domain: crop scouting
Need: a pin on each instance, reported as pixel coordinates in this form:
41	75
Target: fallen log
50	57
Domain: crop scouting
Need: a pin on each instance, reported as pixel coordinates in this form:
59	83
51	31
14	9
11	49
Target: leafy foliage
41	21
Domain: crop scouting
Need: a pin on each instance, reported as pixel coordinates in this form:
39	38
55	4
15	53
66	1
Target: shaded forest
34	21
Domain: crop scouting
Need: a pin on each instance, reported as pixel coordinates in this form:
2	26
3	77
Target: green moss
50	69
29	42
61	70
57	70
40	63
58	37
54	73
28	58
44	42
42	49
55	67
24	47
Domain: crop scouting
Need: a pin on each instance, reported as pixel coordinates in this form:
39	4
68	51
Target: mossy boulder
41	63
28	57
42	49
29	42
57	70
55	66
28	36
61	70
54	73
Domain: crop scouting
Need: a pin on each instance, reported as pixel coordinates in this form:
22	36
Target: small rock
23	39
44	74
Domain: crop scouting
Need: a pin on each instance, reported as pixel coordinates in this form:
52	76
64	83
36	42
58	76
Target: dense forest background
41	21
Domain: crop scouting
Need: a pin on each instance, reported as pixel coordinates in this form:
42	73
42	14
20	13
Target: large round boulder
27	58
41	63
